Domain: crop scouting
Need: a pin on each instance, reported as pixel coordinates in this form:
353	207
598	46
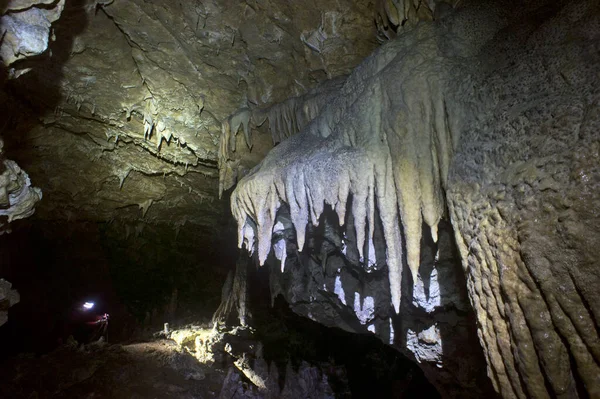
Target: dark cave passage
365	362
58	266
142	278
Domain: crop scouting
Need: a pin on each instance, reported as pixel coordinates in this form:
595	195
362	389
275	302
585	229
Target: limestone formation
454	170
25	28
285	119
494	109
18	197
392	16
386	139
524	199
135	92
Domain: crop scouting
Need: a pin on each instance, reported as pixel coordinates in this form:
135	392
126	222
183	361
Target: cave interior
320	199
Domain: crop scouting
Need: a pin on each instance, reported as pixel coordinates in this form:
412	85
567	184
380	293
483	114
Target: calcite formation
392	16
17	196
490	111
384	139
524	199
285	119
25	28
475	120
130	97
18	199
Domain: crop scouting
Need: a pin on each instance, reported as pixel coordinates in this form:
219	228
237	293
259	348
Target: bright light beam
88	305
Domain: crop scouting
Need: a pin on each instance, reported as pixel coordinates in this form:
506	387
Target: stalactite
383	141
145	205
285	119
390	15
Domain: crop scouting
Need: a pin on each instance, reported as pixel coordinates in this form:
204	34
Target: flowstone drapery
285	120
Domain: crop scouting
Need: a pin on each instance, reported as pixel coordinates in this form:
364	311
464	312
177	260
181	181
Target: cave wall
124	110
26	31
524	200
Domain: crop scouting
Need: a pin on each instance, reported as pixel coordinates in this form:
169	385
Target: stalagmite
234	295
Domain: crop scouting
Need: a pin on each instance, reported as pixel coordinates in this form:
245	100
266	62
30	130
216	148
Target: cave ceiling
121	117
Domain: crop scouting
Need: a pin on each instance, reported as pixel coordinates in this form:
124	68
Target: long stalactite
385	140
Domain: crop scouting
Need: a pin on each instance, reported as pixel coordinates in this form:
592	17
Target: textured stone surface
329	283
18	197
525	202
8	298
514	101
25	29
132	95
122	119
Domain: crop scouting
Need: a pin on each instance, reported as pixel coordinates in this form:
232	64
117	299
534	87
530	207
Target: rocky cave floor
140	370
287	356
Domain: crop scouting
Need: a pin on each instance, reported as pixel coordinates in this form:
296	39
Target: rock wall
25	27
8	298
524	196
121	117
114	109
485	116
24	33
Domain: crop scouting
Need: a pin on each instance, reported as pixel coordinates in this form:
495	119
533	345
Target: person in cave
87	323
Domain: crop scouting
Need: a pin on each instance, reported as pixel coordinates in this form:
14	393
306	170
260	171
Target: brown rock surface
131	96
525	202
